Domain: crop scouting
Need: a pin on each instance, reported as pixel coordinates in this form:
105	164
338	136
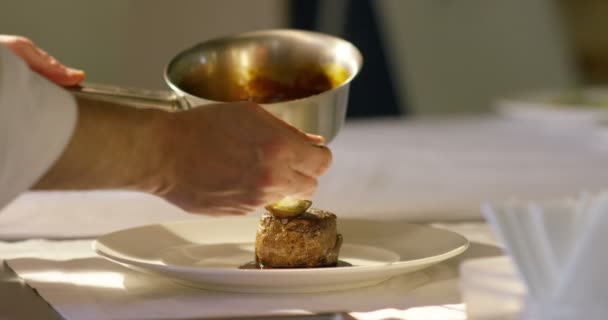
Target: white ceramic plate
207	253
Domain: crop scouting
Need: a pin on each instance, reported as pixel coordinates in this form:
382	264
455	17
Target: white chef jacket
37	118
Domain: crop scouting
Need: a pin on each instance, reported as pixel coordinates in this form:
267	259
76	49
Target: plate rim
159	267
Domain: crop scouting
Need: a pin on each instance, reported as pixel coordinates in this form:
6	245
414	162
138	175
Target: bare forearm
216	159
110	149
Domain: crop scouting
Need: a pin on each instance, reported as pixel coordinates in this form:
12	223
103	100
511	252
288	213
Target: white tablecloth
442	169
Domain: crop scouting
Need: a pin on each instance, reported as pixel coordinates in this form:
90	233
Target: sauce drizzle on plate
256	265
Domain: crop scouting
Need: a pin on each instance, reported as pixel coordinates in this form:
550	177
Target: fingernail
75	72
317	137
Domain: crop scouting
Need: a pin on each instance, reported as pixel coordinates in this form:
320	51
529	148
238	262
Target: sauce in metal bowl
269	85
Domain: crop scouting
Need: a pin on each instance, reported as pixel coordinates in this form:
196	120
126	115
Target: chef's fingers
316	139
195	208
311	160
308	154
41	62
293	132
301	186
289	183
226	212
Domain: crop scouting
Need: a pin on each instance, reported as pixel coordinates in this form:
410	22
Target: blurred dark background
422	57
373	93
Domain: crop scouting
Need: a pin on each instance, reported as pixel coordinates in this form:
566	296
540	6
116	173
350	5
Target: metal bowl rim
257	33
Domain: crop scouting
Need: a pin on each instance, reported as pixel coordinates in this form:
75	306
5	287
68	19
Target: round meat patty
308	240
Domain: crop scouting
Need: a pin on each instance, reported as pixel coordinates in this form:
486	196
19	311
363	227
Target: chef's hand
221	159
42	62
232	158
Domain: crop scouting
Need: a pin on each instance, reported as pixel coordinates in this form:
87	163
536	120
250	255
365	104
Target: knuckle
53	62
275	148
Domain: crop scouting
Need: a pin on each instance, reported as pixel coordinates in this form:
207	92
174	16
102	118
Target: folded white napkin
559	250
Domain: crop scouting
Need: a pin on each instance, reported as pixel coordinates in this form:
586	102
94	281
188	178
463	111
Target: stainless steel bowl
225	63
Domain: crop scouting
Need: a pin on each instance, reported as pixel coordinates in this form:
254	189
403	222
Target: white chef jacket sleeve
37	118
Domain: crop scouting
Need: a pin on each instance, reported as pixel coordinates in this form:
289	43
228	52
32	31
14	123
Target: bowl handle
141	98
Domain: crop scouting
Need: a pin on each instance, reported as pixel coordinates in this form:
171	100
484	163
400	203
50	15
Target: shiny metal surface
225	63
135	97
